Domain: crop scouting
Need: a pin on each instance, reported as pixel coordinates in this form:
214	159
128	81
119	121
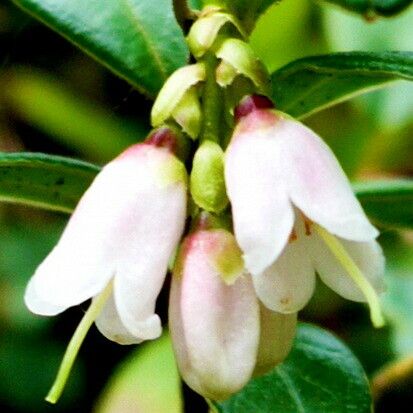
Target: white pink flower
123	232
289	195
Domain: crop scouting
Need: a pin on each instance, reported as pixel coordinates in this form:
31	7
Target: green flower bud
207	183
188	113
205	31
240	56
174	90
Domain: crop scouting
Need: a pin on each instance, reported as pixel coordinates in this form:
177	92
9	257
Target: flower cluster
266	212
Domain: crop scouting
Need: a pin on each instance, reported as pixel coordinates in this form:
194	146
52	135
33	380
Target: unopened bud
205	31
174	90
188	113
207	183
241	57
214	324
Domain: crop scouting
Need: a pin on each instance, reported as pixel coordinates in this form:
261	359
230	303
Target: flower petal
289	283
109	225
367	255
110	325
143	263
214	326
68	276
35	303
262	213
276	339
317	184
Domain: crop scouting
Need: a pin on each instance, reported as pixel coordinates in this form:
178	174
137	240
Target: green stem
212	407
355	273
76	341
212	101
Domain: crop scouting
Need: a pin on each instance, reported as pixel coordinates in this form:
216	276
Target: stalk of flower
220	335
294	213
116	247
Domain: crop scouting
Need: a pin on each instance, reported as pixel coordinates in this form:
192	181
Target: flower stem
212	408
74	345
211	102
355	273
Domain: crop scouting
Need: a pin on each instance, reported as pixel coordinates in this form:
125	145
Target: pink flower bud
214	325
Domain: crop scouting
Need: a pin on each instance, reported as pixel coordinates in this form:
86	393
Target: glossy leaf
148	381
320	375
309	85
133	38
45	181
371	8
388	203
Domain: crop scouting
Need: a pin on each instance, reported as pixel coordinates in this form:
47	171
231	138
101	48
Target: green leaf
83	126
372	8
388	203
248	11
309	85
320	375
148	381
139	40
45	181
398	299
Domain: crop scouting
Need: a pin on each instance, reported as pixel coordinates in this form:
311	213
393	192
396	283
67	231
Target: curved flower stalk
214	318
118	243
295	213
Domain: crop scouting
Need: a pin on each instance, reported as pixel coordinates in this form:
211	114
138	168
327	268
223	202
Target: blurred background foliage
55	99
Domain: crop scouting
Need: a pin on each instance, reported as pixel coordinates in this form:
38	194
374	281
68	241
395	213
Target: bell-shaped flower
119	241
294	213
214	318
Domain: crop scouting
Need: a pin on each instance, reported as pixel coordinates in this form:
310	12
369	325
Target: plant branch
183	13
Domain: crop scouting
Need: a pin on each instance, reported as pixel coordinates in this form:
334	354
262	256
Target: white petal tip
148	329
38	305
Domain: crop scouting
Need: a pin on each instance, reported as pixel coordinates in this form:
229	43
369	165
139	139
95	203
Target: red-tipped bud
250	104
163	137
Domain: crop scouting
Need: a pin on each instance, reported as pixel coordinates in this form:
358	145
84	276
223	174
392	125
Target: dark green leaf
309	85
371	8
398	299
320	375
388	203
46	181
139	40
